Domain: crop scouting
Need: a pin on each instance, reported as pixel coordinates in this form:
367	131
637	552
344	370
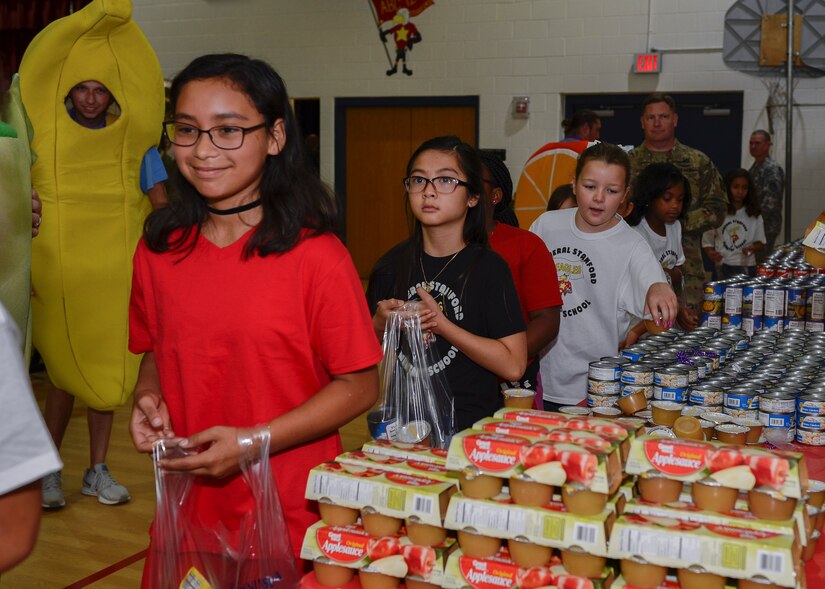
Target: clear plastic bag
189	555
415	404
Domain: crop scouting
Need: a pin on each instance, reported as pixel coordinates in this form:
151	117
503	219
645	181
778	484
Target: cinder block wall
496	50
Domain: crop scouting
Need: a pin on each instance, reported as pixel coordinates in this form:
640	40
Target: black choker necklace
248	206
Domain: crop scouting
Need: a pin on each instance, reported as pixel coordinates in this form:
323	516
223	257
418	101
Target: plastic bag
189	555
415	404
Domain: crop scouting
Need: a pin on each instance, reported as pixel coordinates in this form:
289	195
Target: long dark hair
475	223
293	197
752	207
651	184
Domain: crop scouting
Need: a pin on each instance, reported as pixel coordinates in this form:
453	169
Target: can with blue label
602	370
812	422
741	398
678	395
753	299
671	377
382	425
706	394
638	374
811	404
733	299
795	301
770	419
774	306
752	324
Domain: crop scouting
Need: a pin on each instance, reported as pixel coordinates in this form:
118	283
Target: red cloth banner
386	9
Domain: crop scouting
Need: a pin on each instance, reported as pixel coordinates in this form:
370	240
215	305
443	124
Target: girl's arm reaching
661	304
505	357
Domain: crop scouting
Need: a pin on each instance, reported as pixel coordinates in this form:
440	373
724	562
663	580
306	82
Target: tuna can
706	394
601	370
635	353
812	422
678	395
811	404
382	425
629	389
693	371
602	387
777	403
620	360
671	377
772	419
774	301
708	320
741	398
601	400
810	437
664	357
742	413
753	299
638	374
795	306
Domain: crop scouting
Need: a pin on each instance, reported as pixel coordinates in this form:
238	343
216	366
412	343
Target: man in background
769	180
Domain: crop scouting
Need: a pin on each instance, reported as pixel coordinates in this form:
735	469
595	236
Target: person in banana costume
93	88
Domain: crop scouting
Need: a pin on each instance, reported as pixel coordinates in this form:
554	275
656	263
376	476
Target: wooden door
379	141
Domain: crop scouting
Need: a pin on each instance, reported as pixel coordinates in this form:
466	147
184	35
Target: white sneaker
53	492
99	483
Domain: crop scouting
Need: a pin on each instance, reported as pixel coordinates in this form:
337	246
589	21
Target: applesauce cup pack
739	467
622	431
593	464
393	494
405	450
396	464
549	525
725	550
499	572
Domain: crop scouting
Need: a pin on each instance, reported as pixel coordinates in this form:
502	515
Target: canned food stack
763	383
382	514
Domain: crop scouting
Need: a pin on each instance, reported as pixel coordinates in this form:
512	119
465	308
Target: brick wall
496	50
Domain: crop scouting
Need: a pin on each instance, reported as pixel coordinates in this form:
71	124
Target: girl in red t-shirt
247	308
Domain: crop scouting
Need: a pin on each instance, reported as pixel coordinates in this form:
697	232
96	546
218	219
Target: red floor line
94	577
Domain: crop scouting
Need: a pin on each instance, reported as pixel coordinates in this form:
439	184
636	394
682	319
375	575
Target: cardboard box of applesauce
409	451
733	466
549	525
499	572
729	551
740	517
389	493
395	464
397	556
553	463
614	429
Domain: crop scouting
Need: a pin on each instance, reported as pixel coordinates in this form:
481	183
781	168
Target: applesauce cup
730	433
582	564
816	493
656	487
688	428
699	578
666	412
475	485
640	573
632	403
332	575
527	554
336	515
581	500
519	398
765	503
710	495
477	545
525	491
425	534
378	524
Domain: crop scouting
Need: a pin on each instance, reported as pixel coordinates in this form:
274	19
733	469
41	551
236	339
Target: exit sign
647	63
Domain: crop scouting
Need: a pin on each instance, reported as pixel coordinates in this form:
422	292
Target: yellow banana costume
93	208
16	207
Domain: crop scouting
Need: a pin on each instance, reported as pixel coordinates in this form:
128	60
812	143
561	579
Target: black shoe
406	71
393	70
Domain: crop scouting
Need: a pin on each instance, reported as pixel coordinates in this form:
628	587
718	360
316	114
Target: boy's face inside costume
90	99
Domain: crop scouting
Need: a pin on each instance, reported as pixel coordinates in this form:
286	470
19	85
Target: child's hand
714	255
219	458
661	304
432	317
382	313
747	250
150	420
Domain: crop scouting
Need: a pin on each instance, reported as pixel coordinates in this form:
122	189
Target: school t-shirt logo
450	304
733	233
574	267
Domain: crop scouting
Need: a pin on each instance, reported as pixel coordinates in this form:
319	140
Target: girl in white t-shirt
742	233
661	196
607	275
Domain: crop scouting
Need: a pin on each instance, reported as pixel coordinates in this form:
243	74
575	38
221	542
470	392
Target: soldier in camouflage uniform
709	202
769	180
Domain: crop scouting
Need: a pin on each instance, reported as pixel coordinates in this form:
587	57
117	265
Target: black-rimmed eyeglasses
441	184
222	136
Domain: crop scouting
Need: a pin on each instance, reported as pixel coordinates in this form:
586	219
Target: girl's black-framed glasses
222	136
441	184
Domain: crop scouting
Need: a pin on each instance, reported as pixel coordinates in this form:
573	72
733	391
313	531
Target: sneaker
53	492
99	483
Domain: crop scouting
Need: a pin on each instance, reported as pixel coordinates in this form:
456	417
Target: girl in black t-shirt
466	289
